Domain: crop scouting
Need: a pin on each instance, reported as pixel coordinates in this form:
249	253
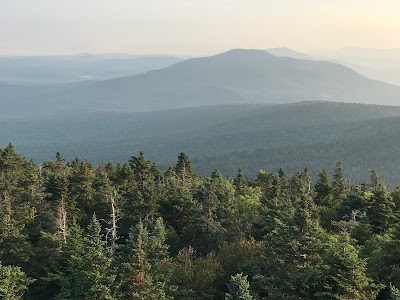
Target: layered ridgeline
379	64
57	69
236	76
291	136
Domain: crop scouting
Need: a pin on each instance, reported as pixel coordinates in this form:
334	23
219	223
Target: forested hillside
127	231
236	76
291	136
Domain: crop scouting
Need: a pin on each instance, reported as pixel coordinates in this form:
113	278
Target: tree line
128	231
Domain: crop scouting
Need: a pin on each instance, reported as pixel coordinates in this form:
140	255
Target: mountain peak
245	52
286	52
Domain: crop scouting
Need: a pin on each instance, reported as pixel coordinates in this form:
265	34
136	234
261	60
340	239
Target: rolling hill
236	76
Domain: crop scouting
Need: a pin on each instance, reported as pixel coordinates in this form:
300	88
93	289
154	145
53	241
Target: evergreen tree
388	268
93	278
343	272
13	283
14	244
143	171
206	229
339	185
177	205
63	265
323	188
184	169
195	277
240	182
80	188
140	272
380	210
376	181
239	288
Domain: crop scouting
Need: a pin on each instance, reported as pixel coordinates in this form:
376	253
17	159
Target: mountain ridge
236	76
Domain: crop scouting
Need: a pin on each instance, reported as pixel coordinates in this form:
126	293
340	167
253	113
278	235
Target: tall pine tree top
184	169
239	288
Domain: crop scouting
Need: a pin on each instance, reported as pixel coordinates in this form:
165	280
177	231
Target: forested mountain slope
311	134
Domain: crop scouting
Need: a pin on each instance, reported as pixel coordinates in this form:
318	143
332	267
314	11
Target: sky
194	27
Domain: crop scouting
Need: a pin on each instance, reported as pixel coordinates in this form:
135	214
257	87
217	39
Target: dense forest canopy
290	136
127	231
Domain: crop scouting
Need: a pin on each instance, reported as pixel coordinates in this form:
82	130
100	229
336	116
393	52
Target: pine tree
240	182
141	278
239	288
142	170
376	181
389	264
184	169
342	273
339	185
94	278
63	265
380	210
13	283
177	206
394	293
195	277
80	189
206	229
14	244
323	188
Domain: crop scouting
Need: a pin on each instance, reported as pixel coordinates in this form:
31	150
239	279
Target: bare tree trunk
111	233
62	220
114	225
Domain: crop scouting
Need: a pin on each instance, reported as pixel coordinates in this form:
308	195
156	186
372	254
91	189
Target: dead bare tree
62	221
111	232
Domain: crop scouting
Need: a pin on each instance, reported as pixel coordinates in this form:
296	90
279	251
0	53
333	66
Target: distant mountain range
59	69
286	52
291	136
379	64
236	76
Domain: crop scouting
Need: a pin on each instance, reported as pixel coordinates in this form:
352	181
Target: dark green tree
323	187
142	273
184	170
240	182
380	210
339	185
13	283
93	277
239	288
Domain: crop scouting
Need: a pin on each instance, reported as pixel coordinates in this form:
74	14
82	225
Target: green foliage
180	236
343	271
143	275
339	183
92	276
195	276
380	210
323	187
239	288
13	283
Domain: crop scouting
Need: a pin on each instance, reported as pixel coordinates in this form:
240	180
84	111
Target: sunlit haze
189	27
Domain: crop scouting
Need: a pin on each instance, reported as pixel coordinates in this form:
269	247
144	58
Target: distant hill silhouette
236	76
286	52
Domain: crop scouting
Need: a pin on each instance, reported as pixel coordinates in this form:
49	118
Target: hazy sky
194	26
